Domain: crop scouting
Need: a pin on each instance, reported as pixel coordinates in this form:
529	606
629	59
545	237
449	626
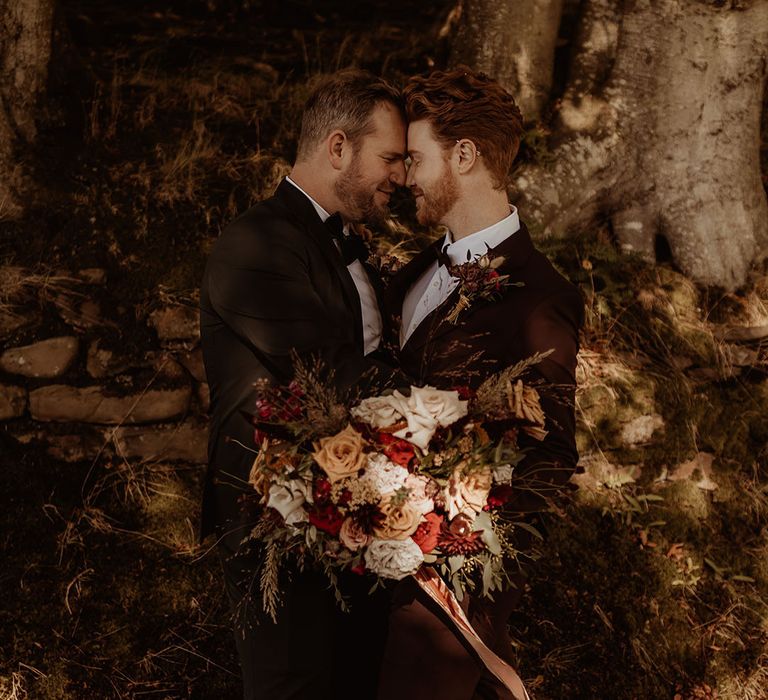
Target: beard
358	196
439	200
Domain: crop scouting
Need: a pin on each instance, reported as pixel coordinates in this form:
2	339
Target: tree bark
659	132
25	49
513	41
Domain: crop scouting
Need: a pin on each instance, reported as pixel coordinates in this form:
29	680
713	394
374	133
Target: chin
424	219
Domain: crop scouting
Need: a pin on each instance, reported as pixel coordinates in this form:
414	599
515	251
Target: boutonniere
386	264
479	280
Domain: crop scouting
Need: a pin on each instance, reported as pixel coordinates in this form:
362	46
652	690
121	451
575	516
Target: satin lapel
516	250
304	213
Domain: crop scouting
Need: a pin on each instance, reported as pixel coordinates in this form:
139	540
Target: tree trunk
659	131
513	41
25	49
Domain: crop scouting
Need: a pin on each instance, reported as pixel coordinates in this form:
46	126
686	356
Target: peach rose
352	536
467	492
341	455
400	519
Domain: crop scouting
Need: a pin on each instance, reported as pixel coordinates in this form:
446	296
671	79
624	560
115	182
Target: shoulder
265	229
546	292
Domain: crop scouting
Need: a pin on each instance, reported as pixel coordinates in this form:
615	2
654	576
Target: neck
319	188
475	211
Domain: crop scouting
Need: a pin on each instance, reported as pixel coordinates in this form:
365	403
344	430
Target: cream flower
382	475
426	409
351	536
467	492
378	411
418	497
394	559
341	455
502	474
444	406
400	519
419	431
288	499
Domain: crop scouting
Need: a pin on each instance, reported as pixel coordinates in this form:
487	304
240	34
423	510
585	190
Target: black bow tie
352	247
335	226
443	258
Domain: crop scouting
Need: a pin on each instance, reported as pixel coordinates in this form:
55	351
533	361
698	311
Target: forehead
388	126
421	137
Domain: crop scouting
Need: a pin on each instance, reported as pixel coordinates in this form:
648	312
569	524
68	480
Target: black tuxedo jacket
274	283
544	313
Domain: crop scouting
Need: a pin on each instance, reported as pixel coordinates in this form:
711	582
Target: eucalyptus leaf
458	589
484	522
488	578
455	563
530	528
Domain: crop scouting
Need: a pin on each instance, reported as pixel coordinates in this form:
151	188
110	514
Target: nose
410	180
397	175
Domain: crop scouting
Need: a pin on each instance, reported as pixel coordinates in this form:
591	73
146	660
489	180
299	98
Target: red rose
359	569
321	489
263	409
465	392
397	450
498	496
291	409
427	533
327	518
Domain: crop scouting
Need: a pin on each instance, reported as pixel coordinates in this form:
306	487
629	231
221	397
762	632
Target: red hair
463	104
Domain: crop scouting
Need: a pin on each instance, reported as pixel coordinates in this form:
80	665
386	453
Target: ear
337	144
466	155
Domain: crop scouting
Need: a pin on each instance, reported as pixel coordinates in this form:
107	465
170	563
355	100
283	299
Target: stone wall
84	376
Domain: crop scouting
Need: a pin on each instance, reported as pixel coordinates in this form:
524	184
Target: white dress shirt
435	285
372	324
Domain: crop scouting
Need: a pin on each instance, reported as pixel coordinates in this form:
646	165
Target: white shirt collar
478	243
322	213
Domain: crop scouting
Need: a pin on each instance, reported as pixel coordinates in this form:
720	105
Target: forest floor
166	120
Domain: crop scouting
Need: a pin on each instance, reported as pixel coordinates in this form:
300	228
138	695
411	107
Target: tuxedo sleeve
261	287
547	466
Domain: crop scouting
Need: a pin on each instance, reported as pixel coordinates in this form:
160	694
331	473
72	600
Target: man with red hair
463	135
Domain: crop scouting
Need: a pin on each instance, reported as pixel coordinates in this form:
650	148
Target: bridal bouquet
391	483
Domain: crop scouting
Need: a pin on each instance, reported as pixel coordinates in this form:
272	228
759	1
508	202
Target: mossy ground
187	113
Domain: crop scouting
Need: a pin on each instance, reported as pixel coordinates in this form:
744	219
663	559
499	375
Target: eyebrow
393	155
413	152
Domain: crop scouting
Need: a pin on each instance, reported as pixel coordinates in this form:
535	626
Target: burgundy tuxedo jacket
544	312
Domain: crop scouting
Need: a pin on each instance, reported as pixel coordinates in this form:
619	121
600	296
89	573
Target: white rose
426	409
444	406
467	493
378	411
419	431
383	476
394	559
288	499
417	493
502	474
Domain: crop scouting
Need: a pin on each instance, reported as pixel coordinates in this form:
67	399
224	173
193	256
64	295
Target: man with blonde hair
282	279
